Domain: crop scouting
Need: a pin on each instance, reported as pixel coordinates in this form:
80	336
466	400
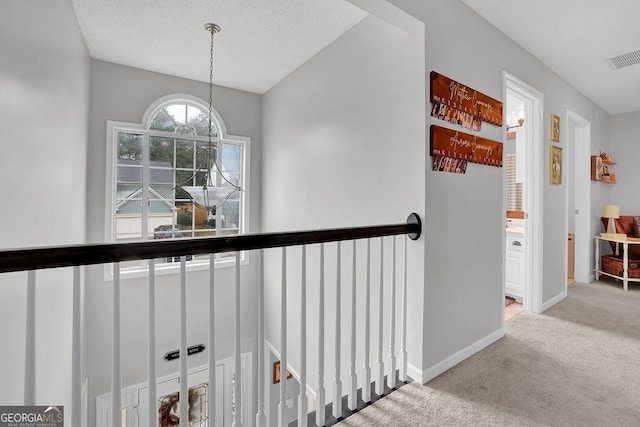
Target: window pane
129	174
129	146
234	178
184	154
129	221
231	157
199	121
164	122
161	176
161	151
230	214
201	155
178	113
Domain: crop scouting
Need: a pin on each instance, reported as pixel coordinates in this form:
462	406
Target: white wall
344	146
44	89
123	94
464	212
625	150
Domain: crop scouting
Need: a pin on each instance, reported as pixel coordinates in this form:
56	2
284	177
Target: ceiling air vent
626	59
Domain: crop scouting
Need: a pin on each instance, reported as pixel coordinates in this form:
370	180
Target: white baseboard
414	373
553	301
451	361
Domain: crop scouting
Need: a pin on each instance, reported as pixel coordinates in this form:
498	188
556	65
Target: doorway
530	101
578	135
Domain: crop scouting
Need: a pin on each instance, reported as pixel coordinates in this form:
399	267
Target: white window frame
113	127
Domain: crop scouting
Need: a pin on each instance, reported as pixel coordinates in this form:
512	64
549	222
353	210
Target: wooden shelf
600	169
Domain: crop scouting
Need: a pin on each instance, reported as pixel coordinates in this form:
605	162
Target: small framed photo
555	128
555	165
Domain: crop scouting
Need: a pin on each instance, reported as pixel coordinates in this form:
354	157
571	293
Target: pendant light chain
213	29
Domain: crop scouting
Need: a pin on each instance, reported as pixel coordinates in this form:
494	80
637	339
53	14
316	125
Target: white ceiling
261	41
575	38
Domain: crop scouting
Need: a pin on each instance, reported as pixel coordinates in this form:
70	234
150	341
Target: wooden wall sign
460	145
465	99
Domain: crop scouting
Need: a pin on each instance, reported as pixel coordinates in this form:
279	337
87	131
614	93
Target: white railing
78	256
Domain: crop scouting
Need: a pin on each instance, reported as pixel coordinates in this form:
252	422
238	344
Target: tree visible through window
154	160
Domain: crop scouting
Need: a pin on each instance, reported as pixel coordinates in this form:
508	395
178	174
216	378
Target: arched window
151	161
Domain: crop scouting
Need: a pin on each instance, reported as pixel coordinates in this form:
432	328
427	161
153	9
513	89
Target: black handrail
68	256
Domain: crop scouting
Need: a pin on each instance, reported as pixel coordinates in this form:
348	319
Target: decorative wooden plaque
465	99
460	145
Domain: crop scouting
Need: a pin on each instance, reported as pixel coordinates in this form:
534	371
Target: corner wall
625	150
344	146
44	104
464	226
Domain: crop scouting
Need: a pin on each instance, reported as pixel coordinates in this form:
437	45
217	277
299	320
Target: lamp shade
611	211
210	196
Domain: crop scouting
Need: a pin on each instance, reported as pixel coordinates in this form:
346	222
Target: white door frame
581	184
532	300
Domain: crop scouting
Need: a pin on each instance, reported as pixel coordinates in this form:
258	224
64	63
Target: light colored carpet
578	364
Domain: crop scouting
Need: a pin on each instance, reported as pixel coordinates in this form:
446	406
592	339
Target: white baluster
261	419
116	373
320	394
30	342
391	376
237	415
152	373
302	399
184	382
282	406
352	401
76	352
403	318
366	374
212	341
380	364
337	384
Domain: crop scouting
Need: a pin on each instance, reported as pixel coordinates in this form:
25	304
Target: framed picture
555	128
555	165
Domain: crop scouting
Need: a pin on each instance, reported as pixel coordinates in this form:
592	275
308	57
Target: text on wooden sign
460	145
465	99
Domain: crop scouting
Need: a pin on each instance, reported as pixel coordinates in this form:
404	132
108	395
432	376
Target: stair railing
76	256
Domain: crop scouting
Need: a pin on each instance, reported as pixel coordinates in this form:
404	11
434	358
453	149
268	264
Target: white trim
176	98
553	301
457	357
534	196
581	183
415	373
296	375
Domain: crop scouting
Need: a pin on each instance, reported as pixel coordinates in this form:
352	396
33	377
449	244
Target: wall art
555	165
461	105
555	128
459	145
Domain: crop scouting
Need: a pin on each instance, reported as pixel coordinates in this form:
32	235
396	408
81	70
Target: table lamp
612	212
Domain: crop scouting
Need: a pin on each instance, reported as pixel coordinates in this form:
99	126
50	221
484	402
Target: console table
625	259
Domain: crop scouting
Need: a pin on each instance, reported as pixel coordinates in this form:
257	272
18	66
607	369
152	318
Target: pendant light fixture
209	195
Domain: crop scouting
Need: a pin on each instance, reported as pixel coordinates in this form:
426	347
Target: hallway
576	364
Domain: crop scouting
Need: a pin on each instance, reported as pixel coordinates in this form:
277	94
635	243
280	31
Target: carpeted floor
578	364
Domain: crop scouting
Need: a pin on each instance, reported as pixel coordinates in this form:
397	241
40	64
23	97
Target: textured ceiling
261	42
575	38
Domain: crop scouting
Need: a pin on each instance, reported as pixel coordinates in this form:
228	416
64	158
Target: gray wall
44	103
625	150
123	94
464	213
344	146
